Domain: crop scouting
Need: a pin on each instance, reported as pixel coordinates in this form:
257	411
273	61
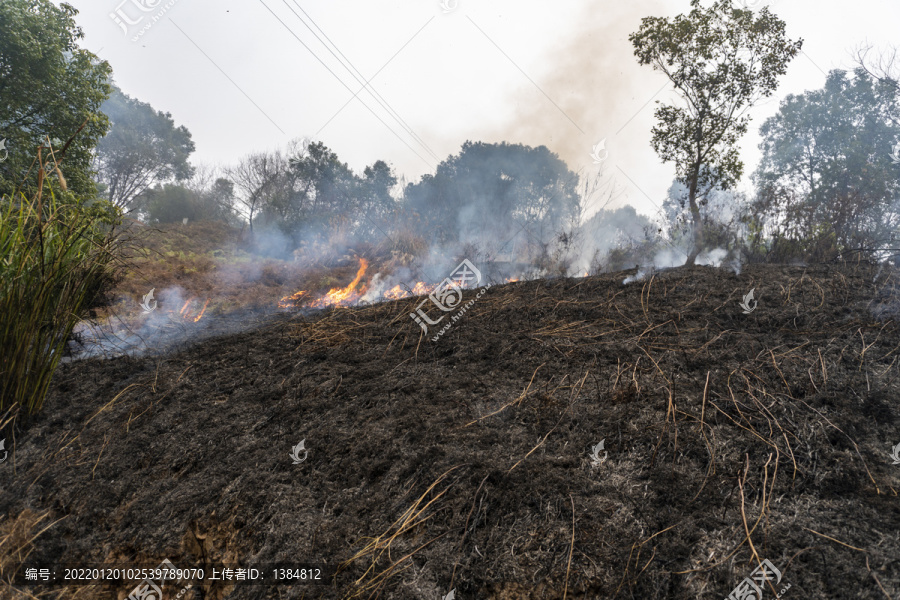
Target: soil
466	464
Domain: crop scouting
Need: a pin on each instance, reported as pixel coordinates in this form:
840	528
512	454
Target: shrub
57	262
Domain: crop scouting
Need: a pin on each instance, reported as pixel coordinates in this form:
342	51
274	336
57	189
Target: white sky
561	74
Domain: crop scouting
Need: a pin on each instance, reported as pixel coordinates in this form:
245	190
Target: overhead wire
360	78
341	81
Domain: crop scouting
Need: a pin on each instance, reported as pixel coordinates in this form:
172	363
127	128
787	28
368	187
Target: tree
376	202
143	148
254	177
332	184
722	60
826	170
884	67
724	220
49	88
492	192
172	203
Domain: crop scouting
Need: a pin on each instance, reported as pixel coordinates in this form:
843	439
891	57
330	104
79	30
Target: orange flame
422	288
288	301
189	314
202	310
398	293
347	295
335	296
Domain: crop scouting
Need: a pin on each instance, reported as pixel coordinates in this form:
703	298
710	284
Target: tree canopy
143	148
826	168
49	88
492	191
721	60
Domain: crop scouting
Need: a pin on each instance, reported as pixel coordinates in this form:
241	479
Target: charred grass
465	463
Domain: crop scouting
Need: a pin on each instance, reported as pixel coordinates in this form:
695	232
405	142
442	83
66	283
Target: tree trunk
698	229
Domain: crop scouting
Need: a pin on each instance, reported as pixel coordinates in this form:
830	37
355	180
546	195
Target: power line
341	81
359	77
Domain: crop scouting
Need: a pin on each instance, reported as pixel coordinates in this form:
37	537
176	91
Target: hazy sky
248	75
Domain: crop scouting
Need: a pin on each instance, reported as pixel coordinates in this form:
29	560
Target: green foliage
495	189
58	260
49	88
143	148
826	178
172	203
721	60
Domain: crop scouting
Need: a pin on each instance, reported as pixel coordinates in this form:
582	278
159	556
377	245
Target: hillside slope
469	459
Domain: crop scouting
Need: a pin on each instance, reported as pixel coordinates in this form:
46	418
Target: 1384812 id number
298	574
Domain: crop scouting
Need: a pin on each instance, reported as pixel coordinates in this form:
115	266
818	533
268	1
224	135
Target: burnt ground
465	463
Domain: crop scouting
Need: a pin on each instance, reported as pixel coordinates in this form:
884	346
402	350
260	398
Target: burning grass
465	464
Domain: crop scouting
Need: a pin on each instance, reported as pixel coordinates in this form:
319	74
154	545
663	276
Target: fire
335	296
202	310
289	301
347	295
354	292
421	288
511	279
398	293
189	314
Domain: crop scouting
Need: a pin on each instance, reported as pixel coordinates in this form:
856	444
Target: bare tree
885	67
254	176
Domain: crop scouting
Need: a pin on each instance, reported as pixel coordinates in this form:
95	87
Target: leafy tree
826	170
722	60
219	201
172	203
49	88
143	148
332	183
493	191
376	202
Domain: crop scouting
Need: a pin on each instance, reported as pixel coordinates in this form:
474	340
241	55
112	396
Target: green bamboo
54	258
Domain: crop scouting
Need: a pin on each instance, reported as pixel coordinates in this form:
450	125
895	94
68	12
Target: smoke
596	81
178	320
